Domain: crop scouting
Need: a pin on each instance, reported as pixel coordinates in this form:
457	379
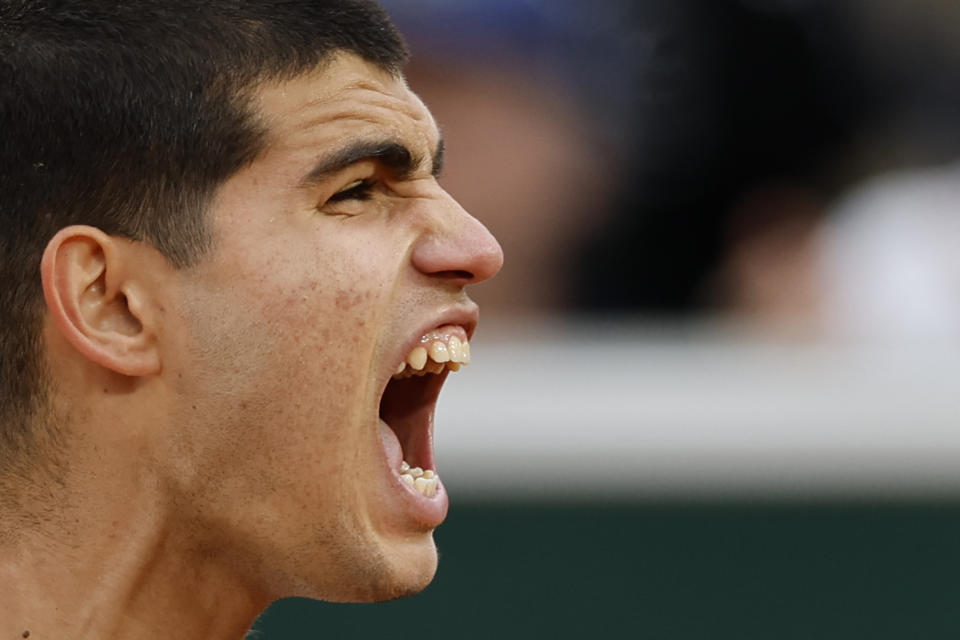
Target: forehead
346	98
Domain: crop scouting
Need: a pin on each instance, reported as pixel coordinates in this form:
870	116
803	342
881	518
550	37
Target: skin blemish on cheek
346	300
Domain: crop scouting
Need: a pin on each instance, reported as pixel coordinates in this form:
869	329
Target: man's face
332	260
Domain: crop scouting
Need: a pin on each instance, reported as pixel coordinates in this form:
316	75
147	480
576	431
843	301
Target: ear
97	301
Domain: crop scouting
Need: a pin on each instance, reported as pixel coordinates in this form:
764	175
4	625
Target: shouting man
232	289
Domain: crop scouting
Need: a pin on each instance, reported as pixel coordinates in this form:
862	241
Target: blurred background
714	391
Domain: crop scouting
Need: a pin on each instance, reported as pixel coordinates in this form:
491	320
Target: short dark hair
127	115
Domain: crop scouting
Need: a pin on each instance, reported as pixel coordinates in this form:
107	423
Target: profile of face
337	258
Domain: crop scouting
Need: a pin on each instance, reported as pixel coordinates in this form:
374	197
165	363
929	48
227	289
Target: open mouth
410	397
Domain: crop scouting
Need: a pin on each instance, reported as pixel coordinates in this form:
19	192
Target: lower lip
419	509
428	512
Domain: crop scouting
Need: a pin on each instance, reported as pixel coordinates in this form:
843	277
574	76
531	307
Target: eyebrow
392	154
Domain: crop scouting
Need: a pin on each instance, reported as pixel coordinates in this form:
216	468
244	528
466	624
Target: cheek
270	418
295	366
285	347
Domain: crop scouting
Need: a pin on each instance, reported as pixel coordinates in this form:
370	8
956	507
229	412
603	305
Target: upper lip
465	316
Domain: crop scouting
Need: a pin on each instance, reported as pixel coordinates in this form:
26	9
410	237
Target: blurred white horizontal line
624	412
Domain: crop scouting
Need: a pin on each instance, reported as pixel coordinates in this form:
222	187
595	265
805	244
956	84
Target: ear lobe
94	300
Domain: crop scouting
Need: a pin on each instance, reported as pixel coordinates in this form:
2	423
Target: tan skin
221	446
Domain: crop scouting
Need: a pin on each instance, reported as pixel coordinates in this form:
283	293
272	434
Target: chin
409	573
386	573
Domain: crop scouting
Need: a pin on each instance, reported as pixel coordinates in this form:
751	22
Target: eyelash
361	191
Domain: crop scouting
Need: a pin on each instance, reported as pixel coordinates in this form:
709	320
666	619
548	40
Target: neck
114	564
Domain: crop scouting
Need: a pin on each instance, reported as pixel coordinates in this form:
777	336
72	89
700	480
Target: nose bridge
454	245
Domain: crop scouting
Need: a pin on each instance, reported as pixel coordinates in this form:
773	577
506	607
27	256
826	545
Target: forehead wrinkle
363	96
367	92
380	114
320	118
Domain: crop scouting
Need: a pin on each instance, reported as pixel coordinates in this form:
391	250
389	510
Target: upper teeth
433	354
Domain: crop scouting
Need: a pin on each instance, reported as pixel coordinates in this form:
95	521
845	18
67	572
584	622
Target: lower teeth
424	481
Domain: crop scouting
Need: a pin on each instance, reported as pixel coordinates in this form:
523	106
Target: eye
357	190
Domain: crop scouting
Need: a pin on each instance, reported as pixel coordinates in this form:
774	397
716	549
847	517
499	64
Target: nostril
455	274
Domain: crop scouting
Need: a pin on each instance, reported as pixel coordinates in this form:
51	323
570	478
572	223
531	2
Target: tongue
391	445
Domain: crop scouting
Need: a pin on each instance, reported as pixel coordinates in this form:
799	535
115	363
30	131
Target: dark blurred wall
670	572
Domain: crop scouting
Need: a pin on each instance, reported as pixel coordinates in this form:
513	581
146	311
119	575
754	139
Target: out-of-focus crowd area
731	232
788	164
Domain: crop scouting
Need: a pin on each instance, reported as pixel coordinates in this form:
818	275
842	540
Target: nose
456	247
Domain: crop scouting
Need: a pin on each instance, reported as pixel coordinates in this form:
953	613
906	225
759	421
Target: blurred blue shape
598	51
468	27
